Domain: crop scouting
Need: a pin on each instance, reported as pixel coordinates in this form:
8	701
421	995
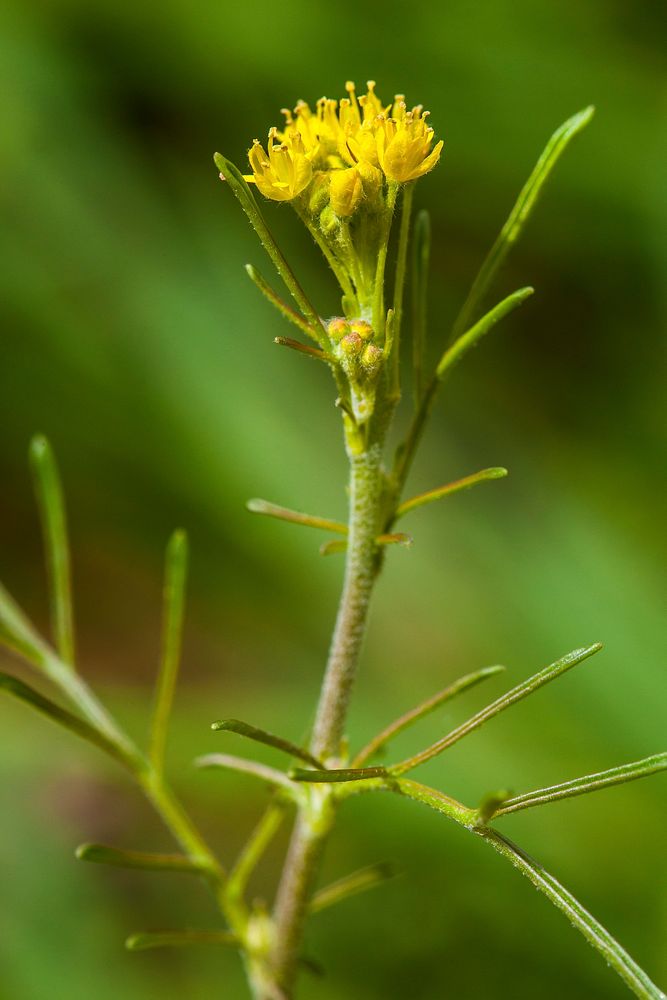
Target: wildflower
285	171
404	144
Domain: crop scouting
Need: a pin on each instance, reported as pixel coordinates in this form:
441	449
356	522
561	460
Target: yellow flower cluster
355	141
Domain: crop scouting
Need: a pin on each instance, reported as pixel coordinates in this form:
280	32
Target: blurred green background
131	336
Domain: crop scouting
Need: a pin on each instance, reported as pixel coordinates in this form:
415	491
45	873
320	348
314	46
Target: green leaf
177	939
234	178
336	774
533	683
359	881
254	849
54	529
584	785
579	917
424	708
334	547
420	265
17	632
310	352
257	506
101	854
518	217
175	576
289	314
471	337
12	685
261	771
262	736
439	492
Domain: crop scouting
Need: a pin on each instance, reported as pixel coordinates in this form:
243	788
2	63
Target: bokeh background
131	336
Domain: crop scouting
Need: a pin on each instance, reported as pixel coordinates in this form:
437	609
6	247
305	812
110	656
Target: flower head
353	144
404	144
285	170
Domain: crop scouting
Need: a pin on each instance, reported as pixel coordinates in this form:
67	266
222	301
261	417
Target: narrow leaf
338	774
511	231
254	849
333	548
395	538
177	939
445	491
424	708
17	632
420	265
234	178
261	736
584	785
275	300
399	283
257	506
54	530
295	345
261	771
175	576
533	683
15	687
101	854
351	885
579	917
471	337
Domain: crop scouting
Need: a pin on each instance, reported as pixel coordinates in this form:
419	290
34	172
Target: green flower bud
363	328
371	360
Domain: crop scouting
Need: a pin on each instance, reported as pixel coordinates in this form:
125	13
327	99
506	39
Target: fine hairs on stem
349	169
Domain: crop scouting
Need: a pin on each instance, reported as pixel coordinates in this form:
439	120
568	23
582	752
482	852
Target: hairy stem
316	817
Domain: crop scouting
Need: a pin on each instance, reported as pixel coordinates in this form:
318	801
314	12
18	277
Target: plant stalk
315	818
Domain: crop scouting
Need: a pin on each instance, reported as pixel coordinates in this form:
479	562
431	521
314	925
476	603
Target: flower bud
337	328
351	345
371	360
318	196
363	328
346	191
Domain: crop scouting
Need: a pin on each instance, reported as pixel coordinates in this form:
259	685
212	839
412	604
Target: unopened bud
371	359
337	328
363	328
318	196
346	191
329	223
351	345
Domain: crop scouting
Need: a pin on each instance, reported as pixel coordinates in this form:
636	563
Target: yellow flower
284	171
404	143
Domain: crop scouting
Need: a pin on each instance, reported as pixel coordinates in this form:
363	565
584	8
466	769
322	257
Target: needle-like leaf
471	337
334	547
351	885
579	917
338	774
533	683
582	786
261	771
517	218
311	352
445	491
421	253
257	506
275	300
15	687
234	178
175	576
254	848
395	538
262	736
177	939
424	708
54	530
17	632
101	854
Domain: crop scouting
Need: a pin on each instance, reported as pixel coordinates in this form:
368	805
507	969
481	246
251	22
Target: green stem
316	816
399	284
